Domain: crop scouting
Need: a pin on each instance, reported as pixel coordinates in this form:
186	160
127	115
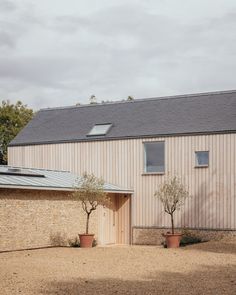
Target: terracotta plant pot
86	240
173	240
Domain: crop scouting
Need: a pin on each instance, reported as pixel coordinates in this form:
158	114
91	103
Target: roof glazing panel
100	129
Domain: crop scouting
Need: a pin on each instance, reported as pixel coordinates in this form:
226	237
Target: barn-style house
136	145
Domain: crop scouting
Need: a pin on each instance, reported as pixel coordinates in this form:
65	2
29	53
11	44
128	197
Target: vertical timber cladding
212	204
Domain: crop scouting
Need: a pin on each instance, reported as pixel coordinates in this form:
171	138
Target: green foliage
189	240
94	244
75	242
90	192
93	99
130	98
172	194
186	240
13	117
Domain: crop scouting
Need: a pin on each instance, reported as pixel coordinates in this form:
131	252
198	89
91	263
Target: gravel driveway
208	268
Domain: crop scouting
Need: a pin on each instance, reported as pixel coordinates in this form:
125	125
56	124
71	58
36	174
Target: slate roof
179	115
52	180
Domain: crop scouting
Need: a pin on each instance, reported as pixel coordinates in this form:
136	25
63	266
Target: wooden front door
114	221
123	219
108	223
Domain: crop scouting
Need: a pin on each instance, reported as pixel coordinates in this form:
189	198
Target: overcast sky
60	52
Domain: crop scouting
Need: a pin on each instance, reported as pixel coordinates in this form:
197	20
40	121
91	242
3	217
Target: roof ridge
163	98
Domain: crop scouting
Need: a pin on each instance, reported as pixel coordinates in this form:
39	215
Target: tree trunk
87	223
172	223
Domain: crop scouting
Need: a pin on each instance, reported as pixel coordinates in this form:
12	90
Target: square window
100	129
202	158
154	157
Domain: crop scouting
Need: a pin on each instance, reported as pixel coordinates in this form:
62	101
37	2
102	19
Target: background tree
13	117
172	194
90	191
93	99
130	98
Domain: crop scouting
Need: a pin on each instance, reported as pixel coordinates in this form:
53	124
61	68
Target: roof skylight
20	172
100	129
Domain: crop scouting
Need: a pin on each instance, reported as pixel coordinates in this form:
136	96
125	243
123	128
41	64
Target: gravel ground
208	268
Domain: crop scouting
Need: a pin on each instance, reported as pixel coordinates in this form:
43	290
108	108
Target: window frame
145	172
203	165
101	134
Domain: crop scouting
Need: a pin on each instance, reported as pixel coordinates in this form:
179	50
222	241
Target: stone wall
153	236
34	219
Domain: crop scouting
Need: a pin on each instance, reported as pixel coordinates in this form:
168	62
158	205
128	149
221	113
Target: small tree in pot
172	193
90	192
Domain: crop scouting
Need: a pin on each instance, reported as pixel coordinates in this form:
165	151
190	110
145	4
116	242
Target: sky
58	53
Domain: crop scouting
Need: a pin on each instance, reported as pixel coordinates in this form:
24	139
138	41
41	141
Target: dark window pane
202	158
155	156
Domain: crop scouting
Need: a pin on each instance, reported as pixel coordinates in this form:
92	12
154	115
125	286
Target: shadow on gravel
213	280
221	246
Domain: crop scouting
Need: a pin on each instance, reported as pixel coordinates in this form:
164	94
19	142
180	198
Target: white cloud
58	53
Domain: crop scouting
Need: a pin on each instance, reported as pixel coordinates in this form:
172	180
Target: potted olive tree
90	192
172	194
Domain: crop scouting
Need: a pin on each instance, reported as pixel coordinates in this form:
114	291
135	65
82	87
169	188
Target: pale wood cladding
213	189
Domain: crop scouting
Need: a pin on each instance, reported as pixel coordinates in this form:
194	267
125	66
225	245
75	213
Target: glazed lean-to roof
31	178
